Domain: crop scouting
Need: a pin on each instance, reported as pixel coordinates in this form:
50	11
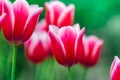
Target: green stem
34	72
84	73
13	63
69	74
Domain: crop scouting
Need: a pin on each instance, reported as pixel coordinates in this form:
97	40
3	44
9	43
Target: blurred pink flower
89	51
63	43
20	20
37	47
115	69
58	14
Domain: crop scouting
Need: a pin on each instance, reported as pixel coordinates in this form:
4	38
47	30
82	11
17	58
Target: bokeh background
100	17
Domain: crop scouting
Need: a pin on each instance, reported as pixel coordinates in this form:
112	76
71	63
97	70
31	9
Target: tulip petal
57	47
8	22
96	52
49	14
67	17
1	6
30	24
79	46
68	35
21	12
115	69
58	7
1	19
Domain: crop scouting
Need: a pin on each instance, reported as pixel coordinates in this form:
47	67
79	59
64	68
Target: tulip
115	69
20	20
63	43
37	47
19	24
89	51
58	14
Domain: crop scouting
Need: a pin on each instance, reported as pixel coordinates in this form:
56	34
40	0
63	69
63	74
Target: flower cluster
55	35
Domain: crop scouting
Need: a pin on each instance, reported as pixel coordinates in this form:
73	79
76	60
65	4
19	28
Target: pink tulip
2	14
37	47
64	42
20	20
89	51
58	14
115	69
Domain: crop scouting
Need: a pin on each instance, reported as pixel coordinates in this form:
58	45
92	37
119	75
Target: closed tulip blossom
89	51
20	20
64	42
58	14
115	69
37	47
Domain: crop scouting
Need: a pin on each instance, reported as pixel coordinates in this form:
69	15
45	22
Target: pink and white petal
53	28
96	52
30	25
77	28
115	62
67	17
21	12
2	17
1	6
116	73
58	7
79	46
57	48
49	14
68	35
8	22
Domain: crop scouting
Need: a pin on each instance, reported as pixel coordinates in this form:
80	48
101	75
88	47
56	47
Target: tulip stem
84	73
34	71
13	63
69	74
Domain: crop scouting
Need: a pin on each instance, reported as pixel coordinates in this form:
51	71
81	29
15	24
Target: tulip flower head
37	47
63	43
58	14
20	20
115	69
89	51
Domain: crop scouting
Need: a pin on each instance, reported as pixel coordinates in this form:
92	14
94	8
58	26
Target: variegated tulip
20	20
64	43
37	47
89	51
58	14
115	69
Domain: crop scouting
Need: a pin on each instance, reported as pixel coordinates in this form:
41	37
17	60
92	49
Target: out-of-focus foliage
100	17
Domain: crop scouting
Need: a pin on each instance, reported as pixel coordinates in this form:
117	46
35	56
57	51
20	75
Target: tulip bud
20	20
63	43
58	14
89	51
37	47
115	69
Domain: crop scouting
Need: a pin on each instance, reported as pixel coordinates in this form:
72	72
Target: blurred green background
100	17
